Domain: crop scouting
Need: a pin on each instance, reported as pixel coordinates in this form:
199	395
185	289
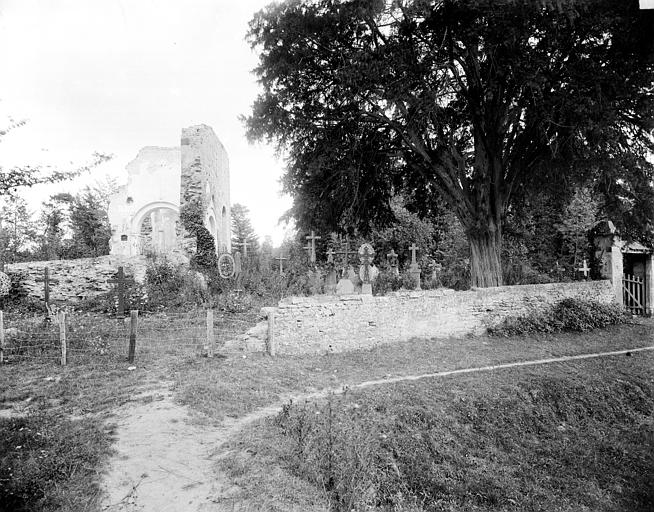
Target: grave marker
414	268
244	244
366	254
393	261
281	259
120	281
312	246
585	269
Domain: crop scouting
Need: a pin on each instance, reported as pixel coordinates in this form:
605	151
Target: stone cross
244	244
281	259
584	268
330	255
120	281
413	250
346	253
392	258
312	246
366	254
46	286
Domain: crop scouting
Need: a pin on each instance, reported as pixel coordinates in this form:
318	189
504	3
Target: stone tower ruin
144	214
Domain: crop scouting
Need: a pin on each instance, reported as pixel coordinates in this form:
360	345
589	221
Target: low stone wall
77	279
326	323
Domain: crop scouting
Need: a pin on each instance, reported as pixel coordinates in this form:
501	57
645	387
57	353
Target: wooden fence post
210	342
133	325
2	337
271	349
62	338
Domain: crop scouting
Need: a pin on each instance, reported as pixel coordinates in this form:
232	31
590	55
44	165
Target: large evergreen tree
472	101
242	229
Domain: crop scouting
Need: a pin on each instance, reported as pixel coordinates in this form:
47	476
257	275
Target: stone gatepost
649	285
608	256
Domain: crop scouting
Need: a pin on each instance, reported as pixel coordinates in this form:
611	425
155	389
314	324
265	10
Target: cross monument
120	281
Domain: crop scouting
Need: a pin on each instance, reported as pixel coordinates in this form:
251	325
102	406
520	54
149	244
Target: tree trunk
485	257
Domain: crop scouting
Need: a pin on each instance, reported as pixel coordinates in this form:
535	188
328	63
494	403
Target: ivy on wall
191	217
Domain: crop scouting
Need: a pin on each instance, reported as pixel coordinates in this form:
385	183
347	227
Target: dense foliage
568	315
474	102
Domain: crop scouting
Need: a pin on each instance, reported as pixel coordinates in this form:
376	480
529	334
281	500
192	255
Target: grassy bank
566	437
238	383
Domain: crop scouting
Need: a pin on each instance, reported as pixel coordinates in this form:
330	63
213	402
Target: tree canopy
468	101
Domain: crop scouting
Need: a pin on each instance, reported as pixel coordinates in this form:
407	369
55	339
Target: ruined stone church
144	214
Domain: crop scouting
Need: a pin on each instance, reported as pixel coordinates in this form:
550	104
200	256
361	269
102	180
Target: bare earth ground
166	456
163	459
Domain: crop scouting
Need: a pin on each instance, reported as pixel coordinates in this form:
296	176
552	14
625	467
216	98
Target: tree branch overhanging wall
469	100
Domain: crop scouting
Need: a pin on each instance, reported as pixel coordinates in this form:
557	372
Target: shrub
387	281
567	315
17	297
169	285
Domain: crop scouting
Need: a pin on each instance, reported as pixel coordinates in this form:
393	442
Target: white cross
584	269
413	250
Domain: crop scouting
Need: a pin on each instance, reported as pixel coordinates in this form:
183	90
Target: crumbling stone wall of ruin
205	177
77	279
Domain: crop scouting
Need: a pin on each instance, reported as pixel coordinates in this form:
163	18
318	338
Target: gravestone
393	262
345	285
226	265
366	255
414	268
330	281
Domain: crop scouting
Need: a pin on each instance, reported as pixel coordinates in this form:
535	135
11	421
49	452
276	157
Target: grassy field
55	421
236	384
566	437
54	413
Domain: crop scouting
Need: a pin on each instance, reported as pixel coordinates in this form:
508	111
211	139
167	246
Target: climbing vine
190	216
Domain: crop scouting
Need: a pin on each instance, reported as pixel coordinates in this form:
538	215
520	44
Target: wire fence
70	338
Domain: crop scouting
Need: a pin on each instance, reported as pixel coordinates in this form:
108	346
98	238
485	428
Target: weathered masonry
629	267
144	214
324	324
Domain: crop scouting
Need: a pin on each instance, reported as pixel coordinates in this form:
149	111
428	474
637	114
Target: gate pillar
608	256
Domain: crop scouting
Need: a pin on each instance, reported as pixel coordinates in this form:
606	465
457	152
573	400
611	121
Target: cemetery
457	314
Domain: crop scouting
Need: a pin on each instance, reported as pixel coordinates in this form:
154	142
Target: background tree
242	229
16	230
52	222
471	101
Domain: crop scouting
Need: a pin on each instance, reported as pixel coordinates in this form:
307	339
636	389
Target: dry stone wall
335	324
77	279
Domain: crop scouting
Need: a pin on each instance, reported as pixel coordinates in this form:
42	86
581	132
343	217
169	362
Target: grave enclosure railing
78	338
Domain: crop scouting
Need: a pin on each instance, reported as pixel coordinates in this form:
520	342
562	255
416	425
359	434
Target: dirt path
165	461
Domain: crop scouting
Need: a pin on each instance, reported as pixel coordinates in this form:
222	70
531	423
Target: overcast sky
116	75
